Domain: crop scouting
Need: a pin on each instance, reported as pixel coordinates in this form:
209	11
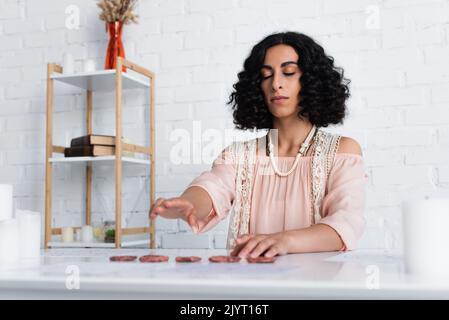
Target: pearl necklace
304	147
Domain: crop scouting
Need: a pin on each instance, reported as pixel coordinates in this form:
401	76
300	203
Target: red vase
115	46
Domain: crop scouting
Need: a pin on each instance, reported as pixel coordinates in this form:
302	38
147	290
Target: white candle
87	234
9	240
68	64
5	202
426	237
29	233
78	235
89	65
67	234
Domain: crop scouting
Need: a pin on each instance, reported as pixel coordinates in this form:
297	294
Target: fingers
153	212
273	251
240	243
192	220
201	224
244	238
176	208
170	208
177	202
237	249
261	247
249	246
255	246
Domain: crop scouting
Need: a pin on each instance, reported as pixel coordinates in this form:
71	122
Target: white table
360	274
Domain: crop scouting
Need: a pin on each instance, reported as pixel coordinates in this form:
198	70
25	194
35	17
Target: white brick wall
397	61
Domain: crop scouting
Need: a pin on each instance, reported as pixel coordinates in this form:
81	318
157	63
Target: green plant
110	233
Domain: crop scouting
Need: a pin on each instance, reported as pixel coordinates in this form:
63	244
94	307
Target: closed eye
287	74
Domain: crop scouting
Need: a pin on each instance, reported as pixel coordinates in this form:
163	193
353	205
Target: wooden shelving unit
104	80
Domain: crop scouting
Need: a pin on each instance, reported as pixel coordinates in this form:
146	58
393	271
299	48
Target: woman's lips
278	100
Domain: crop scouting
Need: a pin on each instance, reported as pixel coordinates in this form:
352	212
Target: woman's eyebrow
283	64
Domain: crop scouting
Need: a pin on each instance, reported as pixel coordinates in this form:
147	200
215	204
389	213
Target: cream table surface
88	274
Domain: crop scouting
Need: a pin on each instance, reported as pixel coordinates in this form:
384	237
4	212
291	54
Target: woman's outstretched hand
177	208
268	245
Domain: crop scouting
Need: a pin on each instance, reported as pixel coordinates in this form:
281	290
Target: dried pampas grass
118	10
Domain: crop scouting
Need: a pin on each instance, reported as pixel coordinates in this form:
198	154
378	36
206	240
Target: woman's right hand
176	208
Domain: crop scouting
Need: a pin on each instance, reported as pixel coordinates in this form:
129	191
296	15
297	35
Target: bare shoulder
349	145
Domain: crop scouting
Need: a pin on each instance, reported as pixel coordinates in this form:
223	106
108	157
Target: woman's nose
277	83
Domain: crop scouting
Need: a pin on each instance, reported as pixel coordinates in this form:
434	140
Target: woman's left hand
268	245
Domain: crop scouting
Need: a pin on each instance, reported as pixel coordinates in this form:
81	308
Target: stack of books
91	146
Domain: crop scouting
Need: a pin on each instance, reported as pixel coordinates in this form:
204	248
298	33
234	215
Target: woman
308	194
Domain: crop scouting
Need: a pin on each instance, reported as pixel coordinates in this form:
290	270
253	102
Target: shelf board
134	243
102	80
99	158
79	244
59	244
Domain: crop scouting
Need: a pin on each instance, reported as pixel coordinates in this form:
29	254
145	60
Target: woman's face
280	81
